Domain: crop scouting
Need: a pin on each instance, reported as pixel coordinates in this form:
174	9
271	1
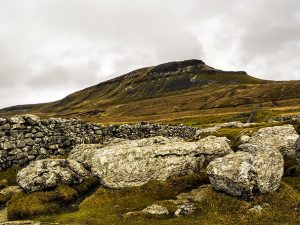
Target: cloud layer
51	48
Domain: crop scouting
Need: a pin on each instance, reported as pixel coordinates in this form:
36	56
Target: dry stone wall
24	138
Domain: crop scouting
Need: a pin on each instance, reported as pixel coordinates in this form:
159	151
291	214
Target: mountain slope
169	91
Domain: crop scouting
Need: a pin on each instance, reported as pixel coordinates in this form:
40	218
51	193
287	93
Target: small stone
185	209
244	139
2	121
9	145
156	210
257	209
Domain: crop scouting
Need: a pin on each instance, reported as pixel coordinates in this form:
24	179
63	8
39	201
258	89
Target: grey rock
10	190
185	209
29	142
31	119
49	173
17	119
195	195
20	144
244	139
146	159
253	148
213	147
257	209
156	210
9	145
83	153
3	121
6	126
243	173
282	138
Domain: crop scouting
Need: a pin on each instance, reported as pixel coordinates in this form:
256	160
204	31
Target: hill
173	92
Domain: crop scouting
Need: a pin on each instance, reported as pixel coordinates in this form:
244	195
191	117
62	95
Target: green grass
8	177
294	182
202	120
108	206
38	205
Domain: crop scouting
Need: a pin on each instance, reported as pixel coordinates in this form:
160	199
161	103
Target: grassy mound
26	206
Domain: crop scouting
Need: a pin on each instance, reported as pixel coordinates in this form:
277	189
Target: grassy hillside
173	92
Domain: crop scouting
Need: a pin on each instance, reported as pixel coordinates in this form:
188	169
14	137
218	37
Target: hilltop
173	92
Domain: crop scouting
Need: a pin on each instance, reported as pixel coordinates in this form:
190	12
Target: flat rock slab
133	163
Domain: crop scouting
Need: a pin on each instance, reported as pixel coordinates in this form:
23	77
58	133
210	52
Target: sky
51	48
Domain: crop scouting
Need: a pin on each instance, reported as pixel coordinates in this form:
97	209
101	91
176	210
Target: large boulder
280	138
133	163
49	173
243	173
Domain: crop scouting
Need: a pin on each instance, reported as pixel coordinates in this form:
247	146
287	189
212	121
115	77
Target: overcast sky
51	48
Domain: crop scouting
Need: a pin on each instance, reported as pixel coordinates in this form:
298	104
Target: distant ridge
156	92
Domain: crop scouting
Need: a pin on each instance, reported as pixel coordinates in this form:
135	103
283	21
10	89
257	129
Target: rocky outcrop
243	173
48	173
133	163
25	138
280	138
